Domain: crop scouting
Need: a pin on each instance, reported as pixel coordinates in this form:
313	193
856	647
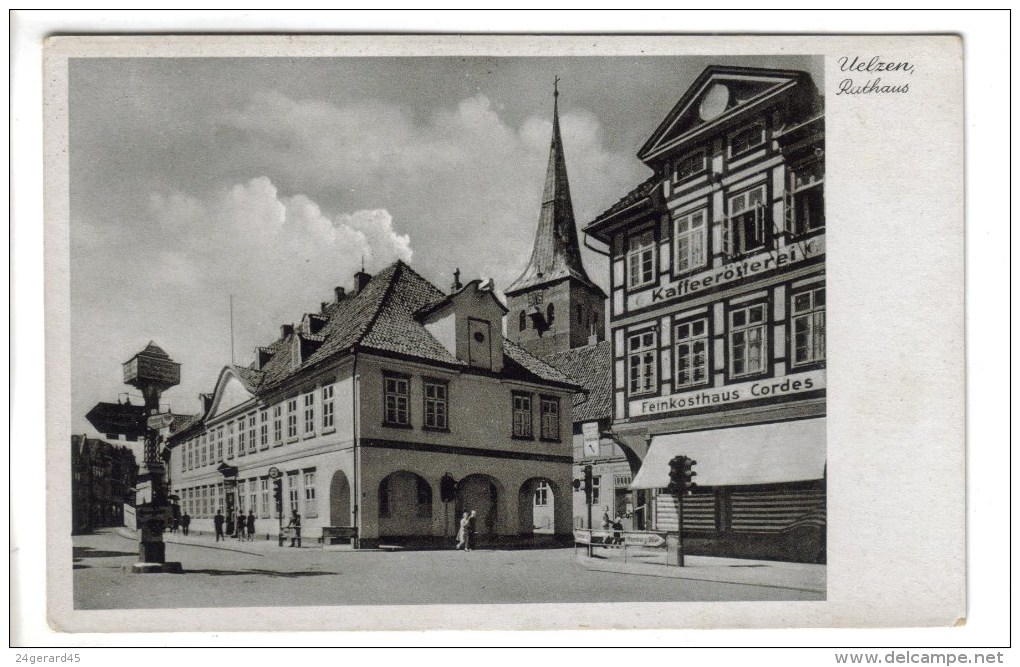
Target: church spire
556	253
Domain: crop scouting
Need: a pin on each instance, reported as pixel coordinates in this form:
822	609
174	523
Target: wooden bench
338	534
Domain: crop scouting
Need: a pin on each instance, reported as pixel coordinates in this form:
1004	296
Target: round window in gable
479	337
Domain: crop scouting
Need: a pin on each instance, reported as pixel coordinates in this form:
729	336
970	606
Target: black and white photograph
384	333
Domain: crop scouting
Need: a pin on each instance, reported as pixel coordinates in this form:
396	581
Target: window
252	495
746	230
309	413
424	494
641	259
398	391
550	314
550	419
436	404
694	163
808	313
292	418
264	429
746	139
542	494
384	498
292	491
806	203
692	353
230	439
311	509
184	459
690	232
596	488
204	450
240	440
251	433
747	340
219	444
641	363
522	321
522	415
277	424
240	496
327	407
191	453
264	495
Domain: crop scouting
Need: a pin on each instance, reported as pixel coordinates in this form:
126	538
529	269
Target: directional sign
160	421
120	418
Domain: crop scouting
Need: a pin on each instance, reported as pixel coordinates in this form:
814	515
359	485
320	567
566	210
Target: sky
268	181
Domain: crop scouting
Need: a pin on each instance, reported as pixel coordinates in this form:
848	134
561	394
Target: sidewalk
260	546
772	574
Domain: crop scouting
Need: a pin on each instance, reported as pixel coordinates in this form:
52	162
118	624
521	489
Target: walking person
462	532
228	528
295	524
472	525
618	530
250	525
185	523
218	525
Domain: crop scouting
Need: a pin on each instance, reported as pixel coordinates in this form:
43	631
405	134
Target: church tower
554	305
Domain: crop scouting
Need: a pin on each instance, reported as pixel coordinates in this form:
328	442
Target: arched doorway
537	507
339	500
480	493
405	505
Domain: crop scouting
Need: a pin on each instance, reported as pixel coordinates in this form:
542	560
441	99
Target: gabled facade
717	312
366	405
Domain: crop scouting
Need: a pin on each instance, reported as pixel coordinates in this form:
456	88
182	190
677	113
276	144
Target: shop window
522	416
692	353
596	490
241	487
436	404
642	350
641	259
550	418
747	139
748	340
690	233
808	314
746	229
397	396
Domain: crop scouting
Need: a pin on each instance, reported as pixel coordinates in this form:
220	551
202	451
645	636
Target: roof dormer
469	323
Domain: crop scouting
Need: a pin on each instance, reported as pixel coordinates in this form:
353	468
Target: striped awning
791	451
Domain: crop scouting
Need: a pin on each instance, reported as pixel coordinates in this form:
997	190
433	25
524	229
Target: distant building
367	404
102	481
558	313
718	313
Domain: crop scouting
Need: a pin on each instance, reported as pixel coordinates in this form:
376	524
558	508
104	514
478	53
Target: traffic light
278	494
447	488
576	484
681	472
587	484
686	473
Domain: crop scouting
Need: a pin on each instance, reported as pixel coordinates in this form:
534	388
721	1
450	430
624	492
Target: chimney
322	306
361	280
456	281
286	330
339	293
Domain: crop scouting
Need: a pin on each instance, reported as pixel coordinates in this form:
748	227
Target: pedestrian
462	532
229	526
250	525
295	525
218	525
607	523
185	523
618	530
470	532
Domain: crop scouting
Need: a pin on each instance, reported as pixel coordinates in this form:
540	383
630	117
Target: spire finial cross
556	84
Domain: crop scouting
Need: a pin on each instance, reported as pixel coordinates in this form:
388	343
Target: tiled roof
251	377
591	367
635	195
517	360
184	422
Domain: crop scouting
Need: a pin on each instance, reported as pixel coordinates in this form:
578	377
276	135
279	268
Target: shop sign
785	385
750	267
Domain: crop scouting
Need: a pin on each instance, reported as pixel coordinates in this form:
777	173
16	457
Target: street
258	574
